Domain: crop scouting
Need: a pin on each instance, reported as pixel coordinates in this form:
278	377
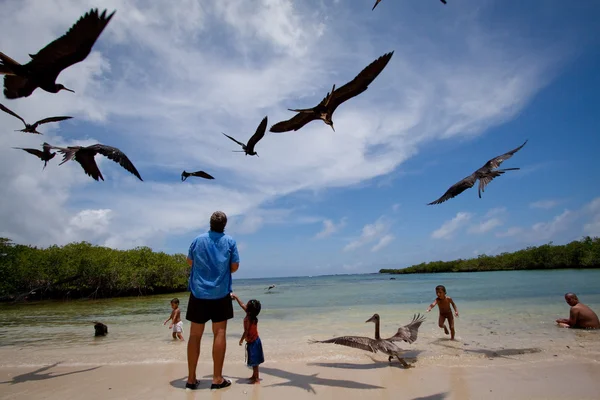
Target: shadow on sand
437	396
38	376
504	353
409	356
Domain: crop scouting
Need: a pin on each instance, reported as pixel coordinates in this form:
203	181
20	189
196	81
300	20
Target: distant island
584	253
82	270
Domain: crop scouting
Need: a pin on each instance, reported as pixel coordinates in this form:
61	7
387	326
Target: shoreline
402	272
515	378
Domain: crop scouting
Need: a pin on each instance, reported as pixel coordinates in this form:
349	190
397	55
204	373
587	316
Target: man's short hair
218	220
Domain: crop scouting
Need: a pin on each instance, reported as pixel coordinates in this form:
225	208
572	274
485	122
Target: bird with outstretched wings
248	148
32	128
485	175
324	110
44	155
85	157
199	174
45	66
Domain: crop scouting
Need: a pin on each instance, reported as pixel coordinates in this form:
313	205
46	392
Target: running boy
254	350
177	323
443	302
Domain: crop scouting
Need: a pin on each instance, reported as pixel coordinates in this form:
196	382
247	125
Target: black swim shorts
201	311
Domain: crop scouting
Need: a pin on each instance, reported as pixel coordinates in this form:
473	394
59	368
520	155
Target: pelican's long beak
372	319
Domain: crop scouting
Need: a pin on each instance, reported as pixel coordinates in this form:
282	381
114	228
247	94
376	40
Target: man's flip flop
192	386
221	385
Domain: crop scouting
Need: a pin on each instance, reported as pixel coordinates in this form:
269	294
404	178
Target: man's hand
171	326
241	341
456	313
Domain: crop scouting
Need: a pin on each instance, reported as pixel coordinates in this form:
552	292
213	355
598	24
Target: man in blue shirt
213	257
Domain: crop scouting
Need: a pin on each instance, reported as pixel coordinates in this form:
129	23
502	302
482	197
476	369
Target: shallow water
508	314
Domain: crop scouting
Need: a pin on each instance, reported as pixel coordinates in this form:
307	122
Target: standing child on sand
254	350
443	302
177	323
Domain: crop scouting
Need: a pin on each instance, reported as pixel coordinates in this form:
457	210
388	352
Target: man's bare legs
254	378
219	346
193	350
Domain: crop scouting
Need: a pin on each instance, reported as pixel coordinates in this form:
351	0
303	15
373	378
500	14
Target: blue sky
468	81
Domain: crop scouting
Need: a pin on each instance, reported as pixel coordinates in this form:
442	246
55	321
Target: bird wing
484	180
83	157
408	333
117	156
35	152
73	47
260	132
18	86
456	189
202	174
358	342
6	110
375	5
50	119
361	82
496	161
238	142
294	123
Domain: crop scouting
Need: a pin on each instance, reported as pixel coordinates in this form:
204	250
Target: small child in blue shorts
254	350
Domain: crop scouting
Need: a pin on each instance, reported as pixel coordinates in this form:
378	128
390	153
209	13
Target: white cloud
329	228
448	228
513	231
544	204
384	241
492	219
395	207
377	231
162	82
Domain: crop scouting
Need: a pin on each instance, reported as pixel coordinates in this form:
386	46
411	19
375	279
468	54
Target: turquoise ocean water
507	314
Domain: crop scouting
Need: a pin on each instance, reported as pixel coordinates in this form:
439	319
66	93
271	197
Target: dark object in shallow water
249	147
32	128
200	174
485	175
45	155
101	329
45	66
407	333
392	279
324	110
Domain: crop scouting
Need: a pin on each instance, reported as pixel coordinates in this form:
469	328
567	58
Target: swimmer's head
440	290
571	299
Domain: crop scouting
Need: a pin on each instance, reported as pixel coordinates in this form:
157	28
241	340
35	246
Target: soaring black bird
47	64
377	2
201	174
32	128
45	155
407	333
85	157
485	175
324	110
249	147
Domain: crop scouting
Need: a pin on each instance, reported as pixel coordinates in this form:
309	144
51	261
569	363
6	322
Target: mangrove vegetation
79	270
584	253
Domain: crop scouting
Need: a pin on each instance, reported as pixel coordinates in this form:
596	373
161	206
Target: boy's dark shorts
201	311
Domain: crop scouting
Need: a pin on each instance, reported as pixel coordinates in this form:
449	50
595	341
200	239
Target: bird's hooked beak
67	89
332	127
372	319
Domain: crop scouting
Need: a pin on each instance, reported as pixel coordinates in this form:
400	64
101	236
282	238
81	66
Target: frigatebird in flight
44	67
33	127
85	157
248	148
200	174
324	110
45	155
485	175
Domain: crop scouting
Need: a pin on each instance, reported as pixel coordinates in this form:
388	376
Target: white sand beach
492	378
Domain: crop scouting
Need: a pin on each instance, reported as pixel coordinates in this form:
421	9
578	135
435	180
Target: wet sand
492	378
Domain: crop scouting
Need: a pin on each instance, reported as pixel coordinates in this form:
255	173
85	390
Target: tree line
81	269
584	253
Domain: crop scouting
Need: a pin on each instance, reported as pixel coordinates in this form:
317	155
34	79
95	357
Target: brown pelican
201	174
407	333
270	287
377	2
485	175
324	110
45	155
47	64
249	147
32	128
85	157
